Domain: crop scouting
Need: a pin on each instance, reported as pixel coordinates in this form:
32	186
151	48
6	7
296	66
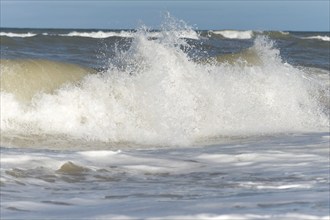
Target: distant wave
106	34
99	34
129	34
318	37
234	34
10	34
189	34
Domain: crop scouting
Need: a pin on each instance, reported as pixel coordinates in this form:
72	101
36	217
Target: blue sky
244	15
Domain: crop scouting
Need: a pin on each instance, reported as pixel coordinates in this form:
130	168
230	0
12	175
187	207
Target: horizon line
155	29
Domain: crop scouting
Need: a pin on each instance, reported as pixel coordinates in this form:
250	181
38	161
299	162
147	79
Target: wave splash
154	93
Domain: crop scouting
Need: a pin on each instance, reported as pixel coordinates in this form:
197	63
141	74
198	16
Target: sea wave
10	34
318	37
99	34
189	34
234	34
154	93
155	34
25	78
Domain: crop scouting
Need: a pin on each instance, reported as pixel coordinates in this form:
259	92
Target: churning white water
154	93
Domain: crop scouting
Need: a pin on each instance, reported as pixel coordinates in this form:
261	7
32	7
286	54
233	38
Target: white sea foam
248	179
235	34
10	34
189	34
206	216
284	32
318	37
130	34
99	34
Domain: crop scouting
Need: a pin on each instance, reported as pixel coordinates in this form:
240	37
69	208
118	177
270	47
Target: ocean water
174	123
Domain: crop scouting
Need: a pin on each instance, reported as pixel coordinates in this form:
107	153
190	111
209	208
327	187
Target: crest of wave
154	93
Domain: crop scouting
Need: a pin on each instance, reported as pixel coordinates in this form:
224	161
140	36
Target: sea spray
155	94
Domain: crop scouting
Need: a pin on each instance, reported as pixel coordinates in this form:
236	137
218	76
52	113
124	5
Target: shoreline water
270	178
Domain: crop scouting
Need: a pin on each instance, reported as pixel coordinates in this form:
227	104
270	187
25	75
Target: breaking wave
318	37
188	34
234	34
129	34
10	34
24	79
154	93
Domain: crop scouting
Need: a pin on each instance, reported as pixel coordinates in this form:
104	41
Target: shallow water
283	177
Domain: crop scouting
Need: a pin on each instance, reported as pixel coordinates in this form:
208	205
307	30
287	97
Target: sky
294	15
